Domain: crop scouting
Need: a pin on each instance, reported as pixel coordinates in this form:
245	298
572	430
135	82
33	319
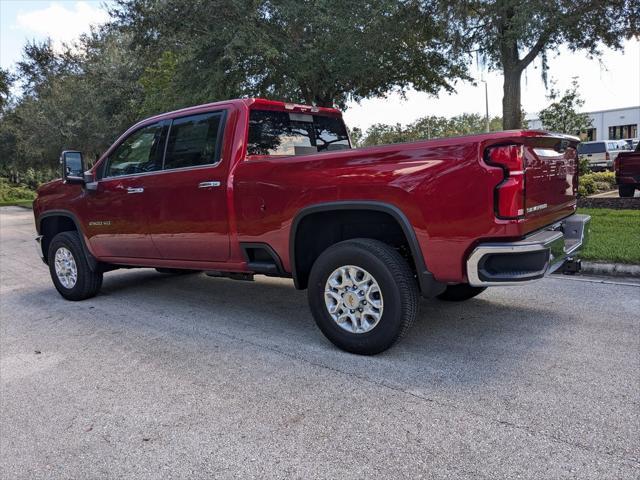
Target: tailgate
551	179
628	164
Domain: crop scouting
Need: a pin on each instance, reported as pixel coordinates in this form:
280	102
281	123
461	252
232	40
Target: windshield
283	133
597	147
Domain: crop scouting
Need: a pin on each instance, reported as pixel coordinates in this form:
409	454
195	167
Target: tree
356	135
78	98
562	115
509	34
427	128
6	80
322	52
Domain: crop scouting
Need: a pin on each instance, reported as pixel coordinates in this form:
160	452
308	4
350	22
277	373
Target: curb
602	194
611	269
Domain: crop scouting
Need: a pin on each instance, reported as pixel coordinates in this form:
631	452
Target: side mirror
72	166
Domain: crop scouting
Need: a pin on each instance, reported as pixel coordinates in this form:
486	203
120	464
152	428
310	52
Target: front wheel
626	190
69	269
460	292
363	295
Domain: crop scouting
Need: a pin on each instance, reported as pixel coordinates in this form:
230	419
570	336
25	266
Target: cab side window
140	152
194	141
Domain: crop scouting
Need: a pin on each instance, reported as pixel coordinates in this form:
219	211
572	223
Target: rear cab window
278	133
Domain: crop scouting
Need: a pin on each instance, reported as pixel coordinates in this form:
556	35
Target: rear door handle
135	189
210	184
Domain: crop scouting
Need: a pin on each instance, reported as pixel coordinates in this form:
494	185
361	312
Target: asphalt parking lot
196	377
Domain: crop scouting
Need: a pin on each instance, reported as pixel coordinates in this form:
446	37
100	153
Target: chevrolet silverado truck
253	186
627	168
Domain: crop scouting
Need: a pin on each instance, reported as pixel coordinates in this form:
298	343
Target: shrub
586	186
596	182
583	166
607	178
12	193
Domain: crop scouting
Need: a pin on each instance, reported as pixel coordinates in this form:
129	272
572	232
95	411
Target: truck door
190	219
118	205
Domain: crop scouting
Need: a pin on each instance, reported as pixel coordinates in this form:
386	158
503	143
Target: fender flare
91	260
429	286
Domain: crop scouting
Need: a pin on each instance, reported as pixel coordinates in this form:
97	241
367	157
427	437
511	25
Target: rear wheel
69	269
363	295
460	292
626	190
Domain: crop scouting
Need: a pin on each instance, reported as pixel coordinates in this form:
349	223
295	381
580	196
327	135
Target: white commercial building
608	124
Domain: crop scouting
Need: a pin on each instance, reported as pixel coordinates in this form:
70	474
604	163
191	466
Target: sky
613	81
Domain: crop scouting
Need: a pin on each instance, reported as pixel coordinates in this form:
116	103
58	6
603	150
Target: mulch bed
616	203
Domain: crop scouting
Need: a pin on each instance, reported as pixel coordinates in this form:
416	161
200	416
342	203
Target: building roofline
613	109
537	117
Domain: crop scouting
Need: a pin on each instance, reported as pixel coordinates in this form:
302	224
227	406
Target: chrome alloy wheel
66	268
353	299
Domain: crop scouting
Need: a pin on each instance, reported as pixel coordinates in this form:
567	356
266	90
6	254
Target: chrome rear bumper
533	257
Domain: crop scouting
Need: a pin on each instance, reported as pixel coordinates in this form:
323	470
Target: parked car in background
601	154
627	168
631	142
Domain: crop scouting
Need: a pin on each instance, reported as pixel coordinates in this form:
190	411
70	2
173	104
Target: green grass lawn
615	236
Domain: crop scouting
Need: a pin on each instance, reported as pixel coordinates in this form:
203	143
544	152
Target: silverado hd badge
535	208
98	223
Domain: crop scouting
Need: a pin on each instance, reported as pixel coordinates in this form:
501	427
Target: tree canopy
159	55
426	128
508	35
324	52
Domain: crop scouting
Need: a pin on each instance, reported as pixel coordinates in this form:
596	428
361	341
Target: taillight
607	157
509	194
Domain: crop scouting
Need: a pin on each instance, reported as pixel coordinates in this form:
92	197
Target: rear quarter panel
444	191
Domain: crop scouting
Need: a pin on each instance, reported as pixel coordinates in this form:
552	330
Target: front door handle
208	184
135	189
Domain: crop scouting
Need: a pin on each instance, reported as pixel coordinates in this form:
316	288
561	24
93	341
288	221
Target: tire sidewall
64	240
388	328
626	191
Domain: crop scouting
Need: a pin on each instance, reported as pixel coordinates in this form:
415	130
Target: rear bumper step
533	257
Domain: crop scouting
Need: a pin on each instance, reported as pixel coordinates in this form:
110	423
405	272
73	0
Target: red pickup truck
627	168
252	186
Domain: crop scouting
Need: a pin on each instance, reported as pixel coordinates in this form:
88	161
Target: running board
247	277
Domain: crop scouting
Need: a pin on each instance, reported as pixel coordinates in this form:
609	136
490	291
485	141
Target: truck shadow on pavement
451	344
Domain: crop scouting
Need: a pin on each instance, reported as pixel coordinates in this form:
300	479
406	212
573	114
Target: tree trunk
511	108
512	70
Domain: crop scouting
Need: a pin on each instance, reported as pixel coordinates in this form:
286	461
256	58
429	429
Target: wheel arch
428	285
52	222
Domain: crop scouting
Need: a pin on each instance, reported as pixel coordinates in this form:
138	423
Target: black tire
460	292
397	285
626	190
176	271
88	283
